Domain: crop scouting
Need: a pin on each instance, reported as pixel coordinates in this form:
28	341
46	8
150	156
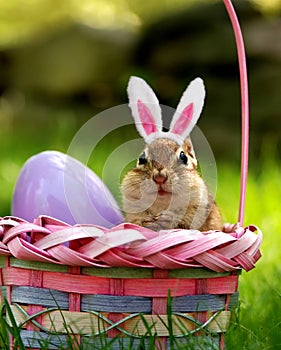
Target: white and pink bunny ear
145	109
188	111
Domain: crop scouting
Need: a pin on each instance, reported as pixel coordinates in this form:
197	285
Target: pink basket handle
244	107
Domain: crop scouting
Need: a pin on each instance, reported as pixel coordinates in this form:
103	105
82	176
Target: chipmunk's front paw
154	226
166	220
163	221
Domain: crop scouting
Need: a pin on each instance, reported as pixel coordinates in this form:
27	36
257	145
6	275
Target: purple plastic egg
55	184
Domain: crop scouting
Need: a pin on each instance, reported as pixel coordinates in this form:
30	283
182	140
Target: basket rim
50	240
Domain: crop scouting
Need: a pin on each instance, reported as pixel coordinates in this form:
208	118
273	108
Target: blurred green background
63	61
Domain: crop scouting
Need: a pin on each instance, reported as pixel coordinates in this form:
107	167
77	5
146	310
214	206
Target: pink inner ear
184	120
146	118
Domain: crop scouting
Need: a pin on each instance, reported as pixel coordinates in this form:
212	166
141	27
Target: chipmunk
165	190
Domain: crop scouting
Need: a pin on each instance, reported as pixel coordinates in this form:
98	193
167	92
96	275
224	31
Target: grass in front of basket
72	342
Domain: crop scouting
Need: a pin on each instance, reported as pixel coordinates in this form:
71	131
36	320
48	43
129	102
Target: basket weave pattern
127	245
117	281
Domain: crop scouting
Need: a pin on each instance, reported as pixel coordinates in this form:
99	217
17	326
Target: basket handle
244	107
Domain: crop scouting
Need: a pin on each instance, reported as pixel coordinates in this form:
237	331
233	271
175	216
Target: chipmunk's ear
145	108
188	110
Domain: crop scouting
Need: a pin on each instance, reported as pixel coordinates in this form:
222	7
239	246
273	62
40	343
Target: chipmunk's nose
160	178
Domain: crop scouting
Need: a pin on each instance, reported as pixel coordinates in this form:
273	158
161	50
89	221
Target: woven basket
127	287
59	278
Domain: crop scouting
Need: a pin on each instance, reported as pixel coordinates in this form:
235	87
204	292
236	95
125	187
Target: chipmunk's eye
142	159
183	157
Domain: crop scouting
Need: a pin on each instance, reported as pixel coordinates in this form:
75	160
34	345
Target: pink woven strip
31	310
159	304
201	288
74	299
159	307
126	245
199	246
150	287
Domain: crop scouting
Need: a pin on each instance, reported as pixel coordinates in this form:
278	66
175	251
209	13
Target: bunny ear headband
146	110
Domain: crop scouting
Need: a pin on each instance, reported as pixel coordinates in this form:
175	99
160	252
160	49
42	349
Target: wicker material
126	278
122	301
127	245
